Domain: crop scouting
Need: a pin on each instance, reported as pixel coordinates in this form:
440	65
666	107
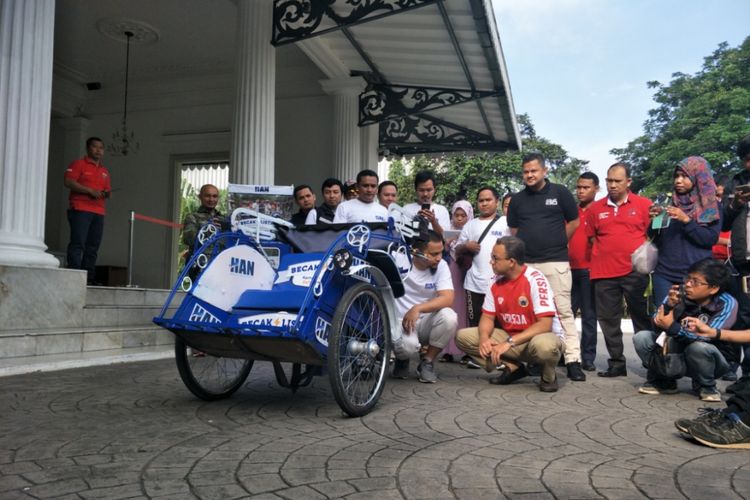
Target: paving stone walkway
134	431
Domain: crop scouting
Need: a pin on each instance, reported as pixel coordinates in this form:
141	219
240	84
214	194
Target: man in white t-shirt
426	306
479	275
365	207
437	215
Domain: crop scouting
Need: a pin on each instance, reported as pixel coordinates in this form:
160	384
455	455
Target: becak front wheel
210	377
359	348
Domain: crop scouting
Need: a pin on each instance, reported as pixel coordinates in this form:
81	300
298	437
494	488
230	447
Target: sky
579	67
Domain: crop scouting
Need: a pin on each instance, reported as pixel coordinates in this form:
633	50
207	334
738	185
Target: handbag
668	361
644	257
466	260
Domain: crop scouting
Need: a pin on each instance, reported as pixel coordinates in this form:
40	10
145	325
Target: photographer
691	224
702	296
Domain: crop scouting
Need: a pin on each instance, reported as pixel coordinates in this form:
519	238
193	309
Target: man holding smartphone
89	184
736	218
437	215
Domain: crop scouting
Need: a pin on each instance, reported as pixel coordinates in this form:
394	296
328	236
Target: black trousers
609	293
733	352
86	229
474	303
582	299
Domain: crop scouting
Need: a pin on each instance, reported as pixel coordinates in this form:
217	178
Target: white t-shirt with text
478	276
358	211
423	285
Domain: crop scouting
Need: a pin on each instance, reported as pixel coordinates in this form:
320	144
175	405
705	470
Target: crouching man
521	300
425	307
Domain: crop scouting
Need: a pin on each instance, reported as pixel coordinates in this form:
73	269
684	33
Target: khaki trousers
543	349
561	281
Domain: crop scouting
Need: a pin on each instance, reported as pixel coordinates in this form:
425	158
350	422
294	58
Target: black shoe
589	367
614	372
534	369
508	377
545	386
742	383
574	372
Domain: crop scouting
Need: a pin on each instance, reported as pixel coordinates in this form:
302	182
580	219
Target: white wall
178	121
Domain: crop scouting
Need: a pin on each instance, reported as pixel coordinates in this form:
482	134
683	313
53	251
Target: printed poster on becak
276	201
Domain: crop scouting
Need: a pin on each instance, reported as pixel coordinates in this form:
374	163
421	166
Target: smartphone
746	284
426	206
661	221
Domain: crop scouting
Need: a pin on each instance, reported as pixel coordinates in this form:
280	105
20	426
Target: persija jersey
517	304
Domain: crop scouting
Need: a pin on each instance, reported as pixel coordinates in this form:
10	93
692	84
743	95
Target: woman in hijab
461	213
695	221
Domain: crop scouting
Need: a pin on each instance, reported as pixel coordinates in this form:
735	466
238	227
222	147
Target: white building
207	84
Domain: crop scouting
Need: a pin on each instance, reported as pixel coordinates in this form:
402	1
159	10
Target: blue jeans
661	287
704	361
86	229
582	298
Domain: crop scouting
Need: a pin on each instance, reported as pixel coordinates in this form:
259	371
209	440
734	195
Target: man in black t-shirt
545	215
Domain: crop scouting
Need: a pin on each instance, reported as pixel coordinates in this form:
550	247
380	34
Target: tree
704	114
460	175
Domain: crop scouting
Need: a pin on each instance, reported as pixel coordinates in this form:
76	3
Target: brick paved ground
133	430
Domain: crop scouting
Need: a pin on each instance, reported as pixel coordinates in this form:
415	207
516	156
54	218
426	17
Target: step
52	362
27	343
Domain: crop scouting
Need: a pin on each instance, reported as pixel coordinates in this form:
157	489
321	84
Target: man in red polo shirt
521	300
89	184
579	252
617	225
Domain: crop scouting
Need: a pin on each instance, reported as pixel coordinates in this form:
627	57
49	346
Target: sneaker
472	364
729	432
446	358
426	371
401	369
706	416
545	386
656	388
710	395
508	377
575	373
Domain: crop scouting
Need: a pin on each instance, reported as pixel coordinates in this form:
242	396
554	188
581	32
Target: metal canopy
435	73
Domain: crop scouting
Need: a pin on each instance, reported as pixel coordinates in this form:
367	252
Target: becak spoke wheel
210	377
358	349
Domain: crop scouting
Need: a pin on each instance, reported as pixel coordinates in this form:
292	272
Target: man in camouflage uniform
209	198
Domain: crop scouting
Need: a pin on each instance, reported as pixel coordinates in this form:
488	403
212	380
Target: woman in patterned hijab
695	221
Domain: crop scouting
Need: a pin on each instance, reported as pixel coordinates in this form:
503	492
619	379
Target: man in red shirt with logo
522	302
89	184
579	252
617	225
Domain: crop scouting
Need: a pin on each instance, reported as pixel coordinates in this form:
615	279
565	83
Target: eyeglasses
495	259
694	282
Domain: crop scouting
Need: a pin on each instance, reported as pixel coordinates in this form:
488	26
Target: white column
369	147
347	138
26	43
252	154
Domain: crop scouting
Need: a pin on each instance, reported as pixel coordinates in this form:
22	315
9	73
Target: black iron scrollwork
295	20
384	102
421	134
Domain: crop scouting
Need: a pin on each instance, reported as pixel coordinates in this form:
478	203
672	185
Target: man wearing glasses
736	218
703	297
521	300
